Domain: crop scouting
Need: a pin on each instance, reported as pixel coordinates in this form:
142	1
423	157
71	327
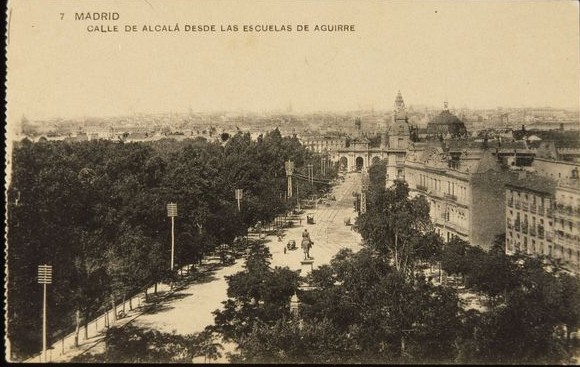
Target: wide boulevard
188	309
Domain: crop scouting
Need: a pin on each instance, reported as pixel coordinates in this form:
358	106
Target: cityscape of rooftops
140	126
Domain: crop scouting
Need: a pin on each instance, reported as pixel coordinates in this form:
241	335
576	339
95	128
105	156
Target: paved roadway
189	310
329	232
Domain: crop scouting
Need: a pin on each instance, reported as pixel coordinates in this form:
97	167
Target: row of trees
377	305
96	211
537	298
130	344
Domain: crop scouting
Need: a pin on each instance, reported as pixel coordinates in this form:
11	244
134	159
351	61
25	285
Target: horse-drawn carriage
310	218
291	245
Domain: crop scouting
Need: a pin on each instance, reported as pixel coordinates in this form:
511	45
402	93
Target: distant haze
473	54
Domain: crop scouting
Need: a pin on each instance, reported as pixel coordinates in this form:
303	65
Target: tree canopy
96	211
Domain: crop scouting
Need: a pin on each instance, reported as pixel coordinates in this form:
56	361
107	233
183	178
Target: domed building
446	125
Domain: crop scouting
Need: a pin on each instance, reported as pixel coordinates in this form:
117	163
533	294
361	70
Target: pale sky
472	53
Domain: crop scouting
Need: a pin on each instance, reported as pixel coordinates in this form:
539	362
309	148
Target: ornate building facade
543	218
464	184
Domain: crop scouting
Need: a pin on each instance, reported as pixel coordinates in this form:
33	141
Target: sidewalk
64	350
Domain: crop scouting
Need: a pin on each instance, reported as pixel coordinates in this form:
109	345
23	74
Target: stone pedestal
307	266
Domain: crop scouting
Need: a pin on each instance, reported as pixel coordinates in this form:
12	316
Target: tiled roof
487	162
534	183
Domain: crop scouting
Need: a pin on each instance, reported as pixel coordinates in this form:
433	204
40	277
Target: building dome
446	123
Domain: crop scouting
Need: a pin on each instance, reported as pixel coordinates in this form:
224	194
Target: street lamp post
239	195
44	278
172	213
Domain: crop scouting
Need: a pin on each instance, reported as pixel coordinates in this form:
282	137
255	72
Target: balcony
510	203
541	210
450	196
525	228
549	236
541	235
510	226
533	209
532	231
525	206
517	204
550	213
421	188
517	227
566	211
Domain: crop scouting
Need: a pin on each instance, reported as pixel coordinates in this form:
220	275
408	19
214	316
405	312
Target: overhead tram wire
309	179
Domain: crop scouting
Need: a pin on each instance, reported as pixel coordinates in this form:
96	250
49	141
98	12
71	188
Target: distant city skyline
476	55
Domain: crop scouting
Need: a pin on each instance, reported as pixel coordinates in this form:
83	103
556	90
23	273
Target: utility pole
44	278
289	170
298	195
172	213
310	174
363	192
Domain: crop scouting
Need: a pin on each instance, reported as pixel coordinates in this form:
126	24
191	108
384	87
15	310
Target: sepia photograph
292	182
